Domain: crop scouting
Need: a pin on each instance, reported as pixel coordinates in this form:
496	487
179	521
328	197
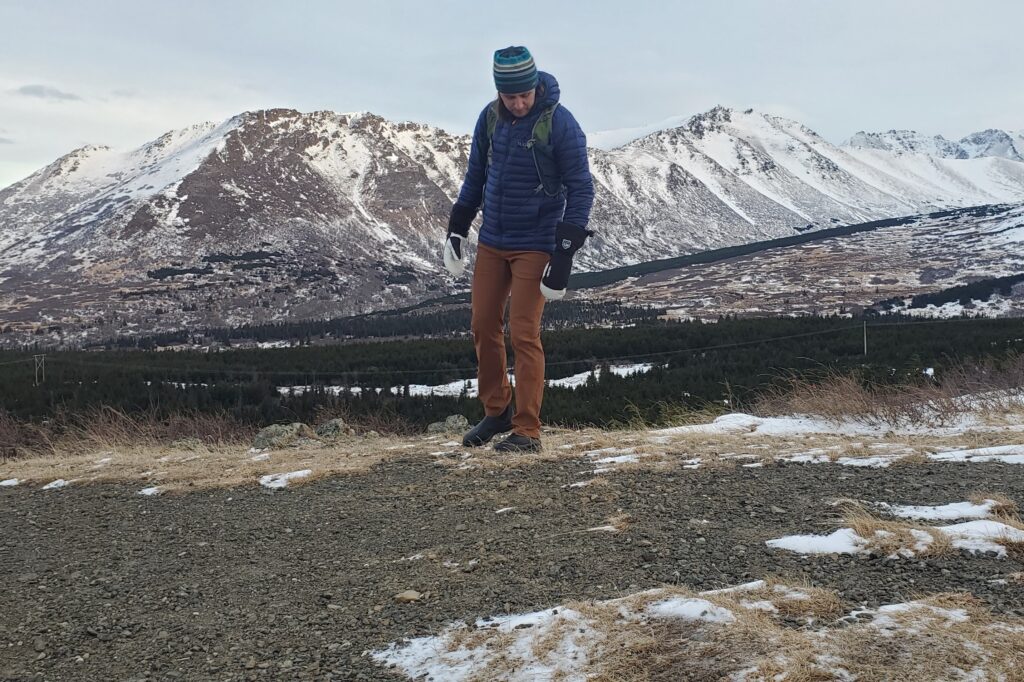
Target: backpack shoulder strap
542	128
492	123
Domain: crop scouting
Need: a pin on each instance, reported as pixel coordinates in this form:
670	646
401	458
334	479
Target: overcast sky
75	72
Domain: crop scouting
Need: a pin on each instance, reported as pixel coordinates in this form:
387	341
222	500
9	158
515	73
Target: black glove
458	231
568	240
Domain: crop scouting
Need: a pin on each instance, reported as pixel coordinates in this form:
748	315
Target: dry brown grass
1004	507
1005	415
180	451
1014	548
990	388
105	428
668	414
218	456
386	421
191	467
798	599
942	636
914	459
616	523
934	646
887	537
197	450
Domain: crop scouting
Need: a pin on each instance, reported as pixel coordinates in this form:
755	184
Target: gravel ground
244	584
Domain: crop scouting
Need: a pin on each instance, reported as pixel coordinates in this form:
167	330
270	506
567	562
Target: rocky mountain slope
844	271
276	214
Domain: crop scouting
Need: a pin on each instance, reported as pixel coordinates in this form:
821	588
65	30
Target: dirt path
239	584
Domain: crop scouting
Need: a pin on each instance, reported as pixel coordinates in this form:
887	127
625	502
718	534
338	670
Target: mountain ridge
348	210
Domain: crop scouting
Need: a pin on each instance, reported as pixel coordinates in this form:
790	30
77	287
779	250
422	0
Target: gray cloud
46	92
125	92
6	140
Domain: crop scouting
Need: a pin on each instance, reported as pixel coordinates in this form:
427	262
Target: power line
16	362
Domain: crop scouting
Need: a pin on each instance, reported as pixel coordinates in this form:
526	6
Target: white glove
453	252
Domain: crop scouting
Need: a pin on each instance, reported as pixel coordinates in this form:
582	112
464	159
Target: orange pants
497	274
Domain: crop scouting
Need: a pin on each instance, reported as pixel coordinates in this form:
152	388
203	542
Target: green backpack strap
544	154
542	128
492	123
539	144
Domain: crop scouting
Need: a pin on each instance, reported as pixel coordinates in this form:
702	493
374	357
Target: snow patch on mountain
278	214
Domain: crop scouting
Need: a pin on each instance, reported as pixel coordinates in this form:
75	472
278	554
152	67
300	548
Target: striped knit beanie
514	70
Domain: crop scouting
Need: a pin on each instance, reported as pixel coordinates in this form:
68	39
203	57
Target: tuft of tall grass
991	387
106	427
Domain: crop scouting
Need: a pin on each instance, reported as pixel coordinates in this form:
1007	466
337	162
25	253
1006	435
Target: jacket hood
549	88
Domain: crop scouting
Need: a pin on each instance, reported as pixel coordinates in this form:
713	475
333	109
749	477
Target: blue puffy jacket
518	216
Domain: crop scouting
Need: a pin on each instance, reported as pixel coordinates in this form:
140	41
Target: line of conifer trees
732	360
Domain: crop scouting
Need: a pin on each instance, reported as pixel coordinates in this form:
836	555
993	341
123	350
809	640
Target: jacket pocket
544	161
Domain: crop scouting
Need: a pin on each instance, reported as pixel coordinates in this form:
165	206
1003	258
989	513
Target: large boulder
456	423
282	436
334	429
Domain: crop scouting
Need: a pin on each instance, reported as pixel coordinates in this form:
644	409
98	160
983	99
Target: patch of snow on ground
7	483
561	643
149	492
612	456
429	658
973	536
690	610
883	616
54	485
738	423
276	481
871	462
954	510
1008	454
842	541
979	536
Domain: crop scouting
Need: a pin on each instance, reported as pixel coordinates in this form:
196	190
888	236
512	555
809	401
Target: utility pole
40	369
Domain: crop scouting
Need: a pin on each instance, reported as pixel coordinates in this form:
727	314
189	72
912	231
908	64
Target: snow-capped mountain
725	177
276	214
996	143
269	215
354	182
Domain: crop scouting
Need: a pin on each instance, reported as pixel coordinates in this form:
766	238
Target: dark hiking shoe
488	428
518	443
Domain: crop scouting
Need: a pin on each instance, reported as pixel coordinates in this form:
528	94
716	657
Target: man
529	172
